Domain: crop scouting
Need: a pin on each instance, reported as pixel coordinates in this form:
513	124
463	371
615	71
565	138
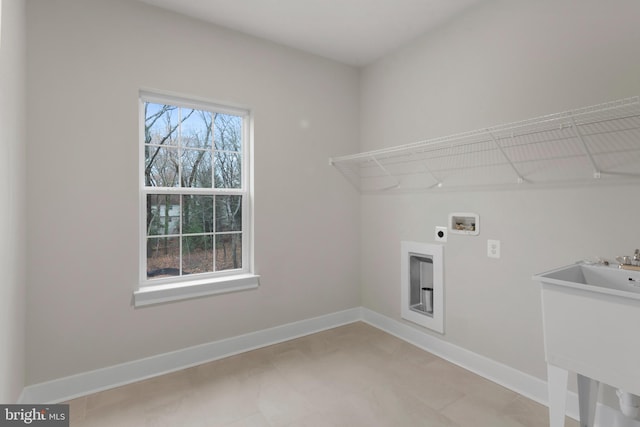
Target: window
195	199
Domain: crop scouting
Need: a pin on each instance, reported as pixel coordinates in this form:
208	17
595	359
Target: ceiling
356	32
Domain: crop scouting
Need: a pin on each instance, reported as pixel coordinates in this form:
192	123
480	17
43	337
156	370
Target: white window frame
175	288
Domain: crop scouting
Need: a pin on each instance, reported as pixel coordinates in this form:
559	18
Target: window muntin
194	190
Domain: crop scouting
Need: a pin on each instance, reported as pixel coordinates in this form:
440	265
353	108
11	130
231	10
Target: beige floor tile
224	401
351	376
527	412
243	365
281	404
478	411
77	409
255	420
435	394
377	406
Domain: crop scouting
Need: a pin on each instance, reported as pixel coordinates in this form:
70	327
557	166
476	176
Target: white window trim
176	289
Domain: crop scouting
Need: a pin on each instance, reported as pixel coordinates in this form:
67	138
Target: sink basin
591	318
595	278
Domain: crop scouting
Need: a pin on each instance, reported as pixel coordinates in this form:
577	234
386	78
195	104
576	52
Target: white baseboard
527	385
73	386
534	388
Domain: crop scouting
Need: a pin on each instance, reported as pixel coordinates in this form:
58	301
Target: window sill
159	294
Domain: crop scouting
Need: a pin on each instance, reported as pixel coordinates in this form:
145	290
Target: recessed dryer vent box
464	223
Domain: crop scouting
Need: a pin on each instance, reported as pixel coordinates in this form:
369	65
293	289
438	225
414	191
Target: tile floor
354	375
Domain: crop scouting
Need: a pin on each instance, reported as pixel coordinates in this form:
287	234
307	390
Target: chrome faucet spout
628	262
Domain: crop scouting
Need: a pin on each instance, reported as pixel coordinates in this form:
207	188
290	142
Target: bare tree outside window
192	159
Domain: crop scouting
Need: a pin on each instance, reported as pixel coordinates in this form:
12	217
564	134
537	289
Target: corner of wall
12	172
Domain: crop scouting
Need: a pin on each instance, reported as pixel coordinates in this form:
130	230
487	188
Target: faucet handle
624	260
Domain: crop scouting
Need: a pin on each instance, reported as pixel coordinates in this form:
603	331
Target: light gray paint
87	60
355	32
12	194
501	62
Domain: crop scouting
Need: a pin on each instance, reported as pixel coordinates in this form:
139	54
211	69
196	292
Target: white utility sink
595	278
591	317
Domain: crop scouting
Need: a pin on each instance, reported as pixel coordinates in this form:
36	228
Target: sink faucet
630	263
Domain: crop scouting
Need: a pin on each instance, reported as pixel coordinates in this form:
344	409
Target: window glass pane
196	128
163	257
163	214
160	124
227	132
228	170
196	168
161	166
228	251
197	154
197	254
197	214
228	213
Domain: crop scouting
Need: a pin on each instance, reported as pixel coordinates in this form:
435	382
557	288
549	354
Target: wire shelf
594	145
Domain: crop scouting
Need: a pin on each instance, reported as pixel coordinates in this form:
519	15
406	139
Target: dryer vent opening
422	285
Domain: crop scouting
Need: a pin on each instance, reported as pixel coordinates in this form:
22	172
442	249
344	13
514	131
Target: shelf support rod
387	173
596	169
521	179
350	175
438	182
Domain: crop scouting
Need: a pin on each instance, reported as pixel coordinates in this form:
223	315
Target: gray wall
12	215
500	62
86	62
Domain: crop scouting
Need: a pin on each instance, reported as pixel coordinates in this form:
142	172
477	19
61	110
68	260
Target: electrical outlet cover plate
493	248
441	234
